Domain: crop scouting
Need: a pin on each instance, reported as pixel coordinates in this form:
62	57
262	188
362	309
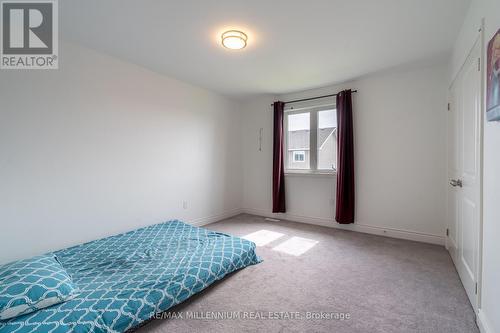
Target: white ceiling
293	44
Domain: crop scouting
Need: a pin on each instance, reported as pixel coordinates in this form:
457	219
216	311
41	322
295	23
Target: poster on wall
493	79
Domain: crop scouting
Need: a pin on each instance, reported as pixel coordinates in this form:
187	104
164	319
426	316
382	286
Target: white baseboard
330	223
368	229
483	323
214	218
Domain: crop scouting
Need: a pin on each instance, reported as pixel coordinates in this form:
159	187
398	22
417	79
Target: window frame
313	139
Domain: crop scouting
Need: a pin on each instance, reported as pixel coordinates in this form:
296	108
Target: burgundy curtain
344	212
278	163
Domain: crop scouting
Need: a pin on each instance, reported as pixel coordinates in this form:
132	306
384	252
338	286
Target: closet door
464	172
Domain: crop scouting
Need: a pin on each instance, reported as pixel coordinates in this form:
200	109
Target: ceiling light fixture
234	39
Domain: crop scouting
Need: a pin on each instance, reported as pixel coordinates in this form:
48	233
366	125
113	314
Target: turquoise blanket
125	279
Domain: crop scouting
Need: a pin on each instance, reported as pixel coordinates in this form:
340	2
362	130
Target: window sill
309	173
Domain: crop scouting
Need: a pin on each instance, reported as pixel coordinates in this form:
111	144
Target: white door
464	172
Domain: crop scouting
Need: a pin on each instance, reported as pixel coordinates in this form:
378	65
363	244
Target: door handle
456	183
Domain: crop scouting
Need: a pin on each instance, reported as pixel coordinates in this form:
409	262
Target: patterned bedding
125	279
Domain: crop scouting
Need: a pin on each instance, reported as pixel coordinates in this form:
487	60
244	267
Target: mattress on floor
125	279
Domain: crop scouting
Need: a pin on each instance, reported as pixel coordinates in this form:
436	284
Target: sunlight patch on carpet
296	246
263	237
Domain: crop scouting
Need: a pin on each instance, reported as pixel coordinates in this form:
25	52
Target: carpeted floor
382	284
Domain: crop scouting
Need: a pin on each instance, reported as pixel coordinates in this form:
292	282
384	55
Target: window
298	139
299	156
327	140
312	127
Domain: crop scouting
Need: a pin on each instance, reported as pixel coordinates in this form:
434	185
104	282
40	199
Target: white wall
489	313
400	151
101	146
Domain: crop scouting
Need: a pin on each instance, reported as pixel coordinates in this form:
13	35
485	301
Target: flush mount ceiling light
234	39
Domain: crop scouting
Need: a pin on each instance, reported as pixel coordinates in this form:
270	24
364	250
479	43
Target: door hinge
447	232
449	107
476	288
478	64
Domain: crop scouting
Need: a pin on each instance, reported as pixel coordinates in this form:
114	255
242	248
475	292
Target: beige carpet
380	284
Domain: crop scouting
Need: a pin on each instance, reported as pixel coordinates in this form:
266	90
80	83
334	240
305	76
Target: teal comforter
125	279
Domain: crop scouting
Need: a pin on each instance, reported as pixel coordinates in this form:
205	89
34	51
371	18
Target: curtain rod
312	98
